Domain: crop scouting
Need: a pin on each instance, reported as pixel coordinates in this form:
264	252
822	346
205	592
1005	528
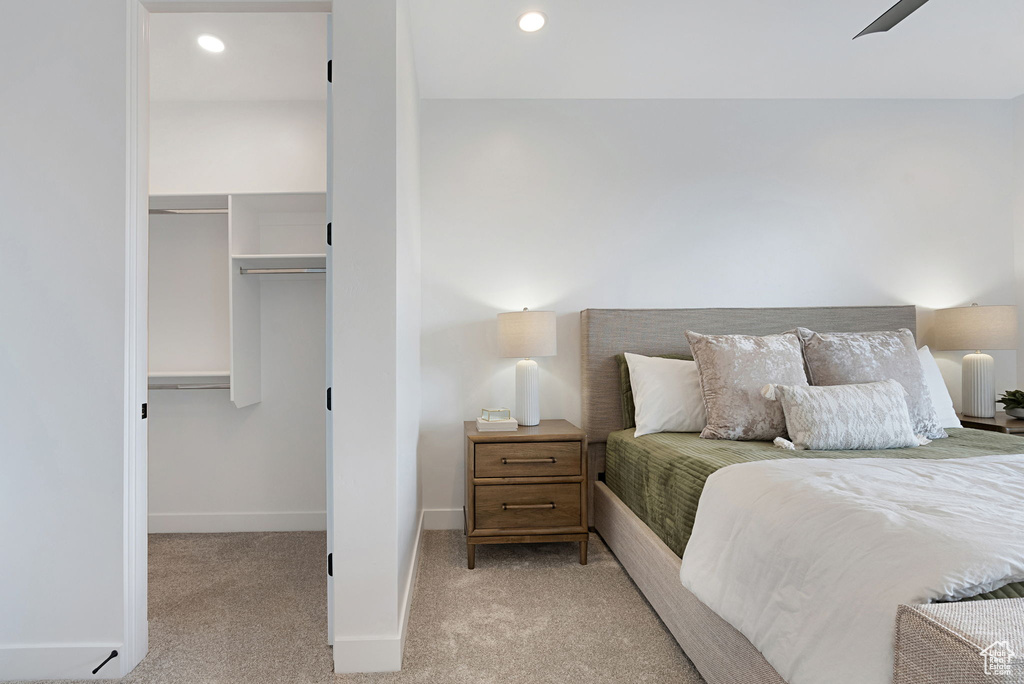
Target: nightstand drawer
528	506
533	459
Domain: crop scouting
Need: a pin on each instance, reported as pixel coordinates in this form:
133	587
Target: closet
265	235
237	282
237	320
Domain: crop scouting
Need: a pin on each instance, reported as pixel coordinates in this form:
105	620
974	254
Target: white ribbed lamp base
979	392
527	392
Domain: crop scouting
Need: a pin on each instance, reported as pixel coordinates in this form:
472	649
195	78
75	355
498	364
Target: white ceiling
717	49
272	56
621	49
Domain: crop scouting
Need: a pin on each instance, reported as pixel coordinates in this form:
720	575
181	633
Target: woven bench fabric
945	643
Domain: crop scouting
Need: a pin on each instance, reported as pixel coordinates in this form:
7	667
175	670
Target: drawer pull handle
507	461
509	507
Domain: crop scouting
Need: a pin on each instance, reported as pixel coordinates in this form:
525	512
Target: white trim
329	338
135	549
443	519
59	661
410	583
284	521
193	6
384	653
368	654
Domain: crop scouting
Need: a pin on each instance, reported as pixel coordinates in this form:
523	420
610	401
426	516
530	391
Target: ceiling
272	56
621	49
717	49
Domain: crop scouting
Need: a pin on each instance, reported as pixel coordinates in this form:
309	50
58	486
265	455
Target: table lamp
977	327
523	335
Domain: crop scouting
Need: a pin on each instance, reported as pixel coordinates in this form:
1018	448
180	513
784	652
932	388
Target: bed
645	491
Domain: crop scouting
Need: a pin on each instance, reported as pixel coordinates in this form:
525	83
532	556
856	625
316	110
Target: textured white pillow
871	415
937	389
667	395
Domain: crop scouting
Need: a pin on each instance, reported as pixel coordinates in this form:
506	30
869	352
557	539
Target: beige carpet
251	608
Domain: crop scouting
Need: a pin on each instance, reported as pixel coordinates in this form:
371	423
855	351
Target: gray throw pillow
873	415
854	358
733	369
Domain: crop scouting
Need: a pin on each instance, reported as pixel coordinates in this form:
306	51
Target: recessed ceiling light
211	43
532	21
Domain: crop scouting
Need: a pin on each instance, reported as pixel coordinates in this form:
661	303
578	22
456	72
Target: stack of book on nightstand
506	425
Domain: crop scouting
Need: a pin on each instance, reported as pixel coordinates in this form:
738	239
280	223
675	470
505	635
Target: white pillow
937	389
667	395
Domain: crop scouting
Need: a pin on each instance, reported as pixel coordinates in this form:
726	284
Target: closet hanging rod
173	212
213	386
279	271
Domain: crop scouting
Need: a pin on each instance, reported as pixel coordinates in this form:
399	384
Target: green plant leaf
1012	399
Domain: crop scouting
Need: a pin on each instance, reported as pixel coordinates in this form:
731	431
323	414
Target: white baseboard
443	519
372	654
382	654
289	521
58	661
410	582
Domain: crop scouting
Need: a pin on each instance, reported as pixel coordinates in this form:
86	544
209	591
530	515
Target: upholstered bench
968	642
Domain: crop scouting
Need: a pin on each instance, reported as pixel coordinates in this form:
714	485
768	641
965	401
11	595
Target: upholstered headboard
604	333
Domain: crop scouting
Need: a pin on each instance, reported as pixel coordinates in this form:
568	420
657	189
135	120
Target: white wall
407	304
1017	108
374	257
567	205
214	467
189	327
224	147
62	316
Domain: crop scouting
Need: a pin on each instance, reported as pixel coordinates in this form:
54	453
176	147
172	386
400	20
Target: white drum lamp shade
977	327
523	335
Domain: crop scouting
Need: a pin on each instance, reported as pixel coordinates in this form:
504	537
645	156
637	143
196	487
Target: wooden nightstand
1001	423
526	486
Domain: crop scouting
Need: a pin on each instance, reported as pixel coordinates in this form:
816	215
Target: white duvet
809	558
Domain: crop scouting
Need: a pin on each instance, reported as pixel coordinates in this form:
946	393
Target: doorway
238	316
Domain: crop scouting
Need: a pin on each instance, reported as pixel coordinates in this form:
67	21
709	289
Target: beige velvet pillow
854	358
733	369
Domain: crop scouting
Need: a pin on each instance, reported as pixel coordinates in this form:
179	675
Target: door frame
136	452
136	476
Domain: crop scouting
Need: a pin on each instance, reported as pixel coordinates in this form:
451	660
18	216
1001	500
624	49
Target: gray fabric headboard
604	333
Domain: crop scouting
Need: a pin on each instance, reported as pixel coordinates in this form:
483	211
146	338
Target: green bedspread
660	477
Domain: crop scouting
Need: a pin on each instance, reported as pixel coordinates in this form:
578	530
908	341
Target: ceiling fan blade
897	13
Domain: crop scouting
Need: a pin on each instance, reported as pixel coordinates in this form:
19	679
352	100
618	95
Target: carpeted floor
530	613
251	608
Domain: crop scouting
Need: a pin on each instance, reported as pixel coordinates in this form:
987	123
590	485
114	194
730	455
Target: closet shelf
289	262
189	380
188	204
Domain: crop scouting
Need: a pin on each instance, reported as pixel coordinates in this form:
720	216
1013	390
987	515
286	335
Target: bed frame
720	653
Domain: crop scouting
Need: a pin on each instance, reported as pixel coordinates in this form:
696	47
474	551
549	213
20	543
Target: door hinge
328	398
145	411
329	69
330	565
328	233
